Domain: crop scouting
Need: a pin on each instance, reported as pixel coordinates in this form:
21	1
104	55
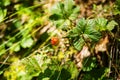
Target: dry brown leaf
81	55
102	45
84	52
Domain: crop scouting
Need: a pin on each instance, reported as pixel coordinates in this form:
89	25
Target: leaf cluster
89	31
63	13
42	67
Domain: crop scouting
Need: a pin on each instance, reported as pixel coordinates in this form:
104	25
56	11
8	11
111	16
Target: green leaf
118	4
1	72
9	43
68	5
55	17
73	70
65	75
15	47
56	9
78	44
64	10
2	49
6	2
95	36
81	24
62	24
47	78
74	32
47	73
74	13
96	74
59	23
91	23
2	14
91	31
89	63
92	34
101	23
27	42
17	23
110	26
118	39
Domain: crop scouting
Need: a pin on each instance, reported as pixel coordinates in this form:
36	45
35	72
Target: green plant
3	13
84	33
28	67
89	63
96	74
42	66
89	31
63	13
39	39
